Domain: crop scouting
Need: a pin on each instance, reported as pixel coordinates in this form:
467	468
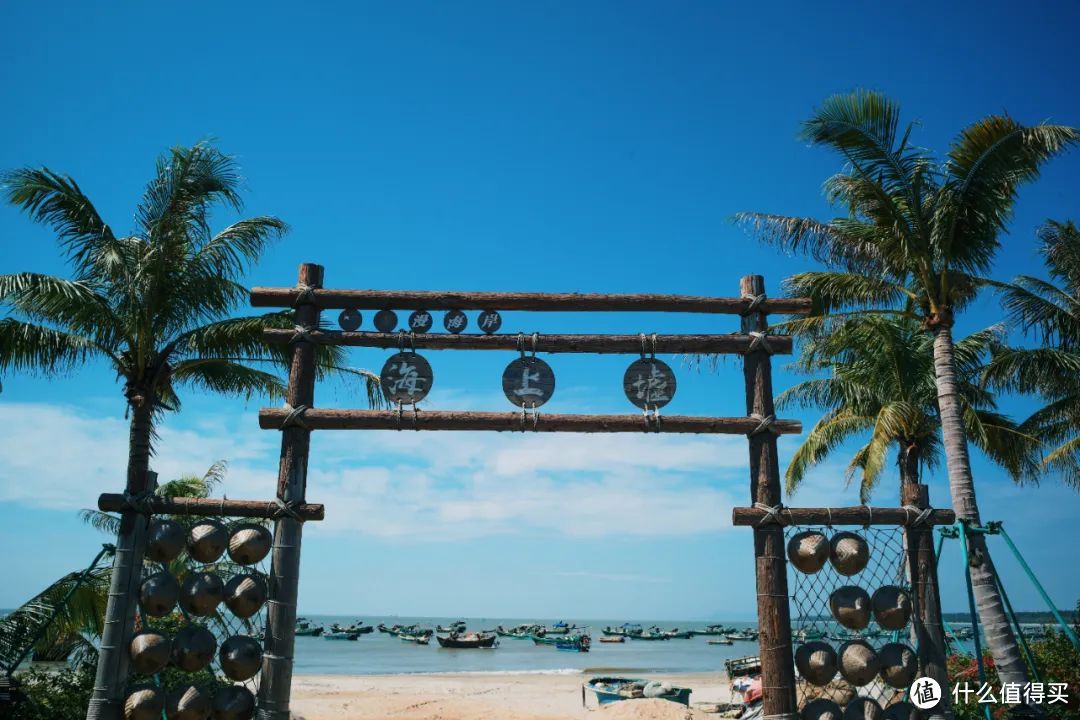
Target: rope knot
295	417
286	509
759	340
772	514
139	502
765	424
302	333
755	302
305	296
922	517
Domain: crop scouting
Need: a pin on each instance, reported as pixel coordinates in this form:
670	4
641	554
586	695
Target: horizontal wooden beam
114	502
858	515
324	419
543	302
734	343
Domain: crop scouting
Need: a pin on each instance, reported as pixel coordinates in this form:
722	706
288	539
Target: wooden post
926	623
276	679
774	614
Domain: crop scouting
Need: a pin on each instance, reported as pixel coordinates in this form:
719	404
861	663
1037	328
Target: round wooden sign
406	378
649	383
455	321
385	321
489	321
420	321
528	382
350	319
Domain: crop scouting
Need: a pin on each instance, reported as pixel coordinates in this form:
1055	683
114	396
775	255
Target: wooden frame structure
299	418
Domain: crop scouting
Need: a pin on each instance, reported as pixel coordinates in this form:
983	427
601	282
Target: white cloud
401	485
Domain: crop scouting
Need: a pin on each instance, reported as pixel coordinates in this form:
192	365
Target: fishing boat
341	635
713	630
573	643
625	630
741	635
719	641
455	627
560	628
613	689
675	634
304	628
649	635
744	666
423	638
612	638
520	632
472	640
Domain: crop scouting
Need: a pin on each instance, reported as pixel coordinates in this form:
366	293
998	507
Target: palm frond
36	349
101	521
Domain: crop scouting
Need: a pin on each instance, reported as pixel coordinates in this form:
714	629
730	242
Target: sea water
380	653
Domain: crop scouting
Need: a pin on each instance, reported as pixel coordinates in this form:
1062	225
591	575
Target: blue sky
535	146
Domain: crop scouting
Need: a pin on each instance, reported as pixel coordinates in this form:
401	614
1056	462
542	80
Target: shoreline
479	695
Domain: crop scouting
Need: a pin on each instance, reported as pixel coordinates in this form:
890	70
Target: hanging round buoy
245	595
528	382
187	702
201	593
455	322
649	383
193	648
406	378
241	657
816	662
858	662
385	321
862	708
808	551
249	543
158	594
234	702
892	607
165	540
150	652
144	703
420	321
849	553
350	319
207	541
899	664
489	321
821	709
850	606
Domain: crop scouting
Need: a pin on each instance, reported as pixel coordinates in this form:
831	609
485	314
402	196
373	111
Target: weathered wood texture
328	419
927	627
774	614
280	637
209	507
543	302
733	343
857	515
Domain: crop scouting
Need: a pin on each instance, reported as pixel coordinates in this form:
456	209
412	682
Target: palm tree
156	306
881	387
1052	371
915	238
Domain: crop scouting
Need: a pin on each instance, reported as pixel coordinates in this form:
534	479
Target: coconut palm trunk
107	700
1000	639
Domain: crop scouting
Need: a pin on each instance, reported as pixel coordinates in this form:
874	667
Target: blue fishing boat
574	643
614	689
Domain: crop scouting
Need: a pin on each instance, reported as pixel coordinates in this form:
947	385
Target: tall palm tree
880	386
156	306
914	240
1052	371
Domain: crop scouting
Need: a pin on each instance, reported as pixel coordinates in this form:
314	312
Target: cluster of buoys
200	594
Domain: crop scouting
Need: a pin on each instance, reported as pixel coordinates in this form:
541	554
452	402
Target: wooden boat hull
487	641
341	636
613	639
606	690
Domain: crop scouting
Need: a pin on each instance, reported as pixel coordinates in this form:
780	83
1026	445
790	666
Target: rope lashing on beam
139	502
286	509
759	340
305	296
755	302
295	418
772	514
765	424
302	333
922	517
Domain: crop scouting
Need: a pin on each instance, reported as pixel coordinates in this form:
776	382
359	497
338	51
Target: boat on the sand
613	689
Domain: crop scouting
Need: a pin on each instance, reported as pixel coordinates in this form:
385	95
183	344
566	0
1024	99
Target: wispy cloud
401	485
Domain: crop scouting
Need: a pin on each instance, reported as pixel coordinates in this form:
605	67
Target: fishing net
855	647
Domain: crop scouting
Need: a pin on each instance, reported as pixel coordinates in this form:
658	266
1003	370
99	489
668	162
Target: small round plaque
385	321
420	321
406	378
489	321
649	383
455	321
528	382
350	319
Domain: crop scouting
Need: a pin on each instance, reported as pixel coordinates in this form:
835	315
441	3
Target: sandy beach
481	696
